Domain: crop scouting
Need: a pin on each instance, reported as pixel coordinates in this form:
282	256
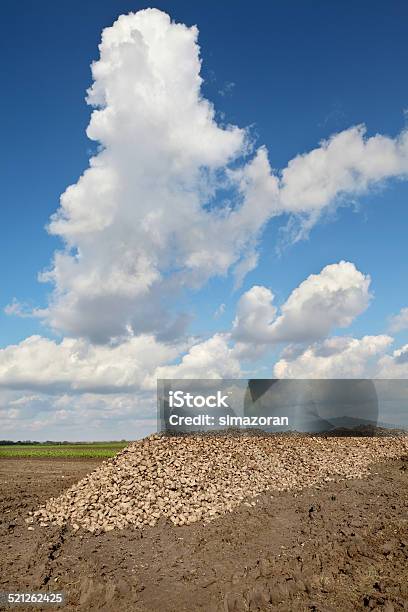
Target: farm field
339	546
98	450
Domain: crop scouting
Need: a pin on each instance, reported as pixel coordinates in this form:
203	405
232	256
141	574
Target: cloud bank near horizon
69	384
321	304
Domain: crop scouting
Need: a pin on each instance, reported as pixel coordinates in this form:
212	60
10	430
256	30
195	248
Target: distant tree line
30	442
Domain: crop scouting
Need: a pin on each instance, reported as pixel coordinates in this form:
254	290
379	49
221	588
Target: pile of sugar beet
197	478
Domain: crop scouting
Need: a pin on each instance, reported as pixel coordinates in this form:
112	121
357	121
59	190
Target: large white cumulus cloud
147	217
330	299
135	224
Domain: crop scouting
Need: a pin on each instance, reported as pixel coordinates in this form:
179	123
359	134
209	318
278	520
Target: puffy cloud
344	166
75	365
255	315
399	321
212	358
338	357
348	163
330	299
395	365
137	225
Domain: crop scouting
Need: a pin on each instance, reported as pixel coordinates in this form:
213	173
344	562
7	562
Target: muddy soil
340	547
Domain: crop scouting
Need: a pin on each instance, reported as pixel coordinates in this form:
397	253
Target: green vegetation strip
96	450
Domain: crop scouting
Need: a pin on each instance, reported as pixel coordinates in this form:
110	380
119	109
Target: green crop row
97	450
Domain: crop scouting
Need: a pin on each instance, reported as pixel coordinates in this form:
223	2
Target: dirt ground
341	547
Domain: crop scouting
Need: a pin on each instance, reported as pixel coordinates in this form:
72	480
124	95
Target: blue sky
292	74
